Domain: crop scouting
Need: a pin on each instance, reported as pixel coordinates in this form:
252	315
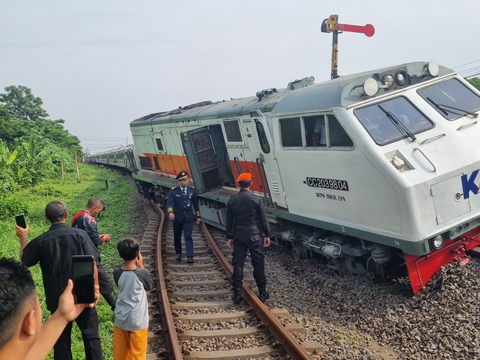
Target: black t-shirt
54	250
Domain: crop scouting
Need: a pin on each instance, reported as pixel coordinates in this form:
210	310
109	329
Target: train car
122	158
374	171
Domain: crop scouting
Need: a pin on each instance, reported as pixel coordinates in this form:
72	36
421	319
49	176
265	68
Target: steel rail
167	319
283	336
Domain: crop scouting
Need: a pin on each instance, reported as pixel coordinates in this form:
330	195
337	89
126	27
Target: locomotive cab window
325	131
262	137
159	144
291	132
315	130
232	130
337	134
392	120
451	99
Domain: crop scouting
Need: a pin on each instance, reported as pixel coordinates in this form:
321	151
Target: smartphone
20	220
83	279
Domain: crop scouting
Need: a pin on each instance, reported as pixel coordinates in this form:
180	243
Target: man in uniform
247	229
180	204
85	220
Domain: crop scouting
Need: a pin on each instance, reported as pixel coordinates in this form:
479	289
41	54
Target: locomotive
374	171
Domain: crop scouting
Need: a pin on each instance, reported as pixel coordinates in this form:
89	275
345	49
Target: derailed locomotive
373	170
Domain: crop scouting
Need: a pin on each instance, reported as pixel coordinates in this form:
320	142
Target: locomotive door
266	161
202	159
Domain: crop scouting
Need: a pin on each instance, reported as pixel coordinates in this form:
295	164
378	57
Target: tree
475	82
4	114
21	104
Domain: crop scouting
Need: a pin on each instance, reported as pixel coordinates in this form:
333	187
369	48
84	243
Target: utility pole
331	25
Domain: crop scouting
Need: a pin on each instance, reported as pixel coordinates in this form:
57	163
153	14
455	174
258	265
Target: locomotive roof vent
192	106
298	84
265	92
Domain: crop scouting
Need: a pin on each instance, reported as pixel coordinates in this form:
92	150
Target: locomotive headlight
370	87
401	77
433	68
437	242
387	80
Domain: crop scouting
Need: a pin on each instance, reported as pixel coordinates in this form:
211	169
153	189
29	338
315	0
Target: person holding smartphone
22	335
54	250
131	313
85	220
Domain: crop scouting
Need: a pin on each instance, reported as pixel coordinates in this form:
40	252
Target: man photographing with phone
54	250
20	220
85	220
22	336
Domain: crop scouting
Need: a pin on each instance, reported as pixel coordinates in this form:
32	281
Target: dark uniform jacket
246	215
182	205
54	250
83	220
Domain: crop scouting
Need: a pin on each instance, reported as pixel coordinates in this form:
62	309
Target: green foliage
22	104
31	162
39	144
115	220
22	118
4	114
14	204
14	132
475	82
6	158
8	180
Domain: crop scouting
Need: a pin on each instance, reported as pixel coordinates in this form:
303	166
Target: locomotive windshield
451	99
392	120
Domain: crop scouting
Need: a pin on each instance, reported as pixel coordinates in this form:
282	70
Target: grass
114	220
350	338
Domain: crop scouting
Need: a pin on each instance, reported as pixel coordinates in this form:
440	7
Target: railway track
191	310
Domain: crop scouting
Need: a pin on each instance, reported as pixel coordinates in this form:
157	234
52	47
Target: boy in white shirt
131	310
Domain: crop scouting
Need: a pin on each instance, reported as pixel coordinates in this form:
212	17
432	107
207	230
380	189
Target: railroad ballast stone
433	324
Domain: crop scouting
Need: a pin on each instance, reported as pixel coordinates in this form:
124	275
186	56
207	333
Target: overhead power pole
331	25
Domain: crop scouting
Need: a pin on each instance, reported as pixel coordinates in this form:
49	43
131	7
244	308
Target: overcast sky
100	64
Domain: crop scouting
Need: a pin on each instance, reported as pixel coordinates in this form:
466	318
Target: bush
13	205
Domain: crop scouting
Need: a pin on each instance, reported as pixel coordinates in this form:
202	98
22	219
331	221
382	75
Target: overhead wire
469	70
472	76
472	62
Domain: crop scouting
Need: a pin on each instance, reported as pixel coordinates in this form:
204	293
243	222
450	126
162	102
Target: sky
100	64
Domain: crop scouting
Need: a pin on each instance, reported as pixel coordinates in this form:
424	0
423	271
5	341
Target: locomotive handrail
432	138
467	125
238	165
264	187
425	156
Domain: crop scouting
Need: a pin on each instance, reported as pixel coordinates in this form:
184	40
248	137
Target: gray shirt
131	309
